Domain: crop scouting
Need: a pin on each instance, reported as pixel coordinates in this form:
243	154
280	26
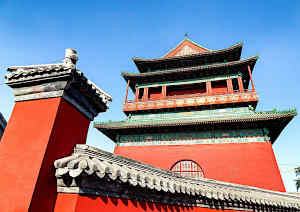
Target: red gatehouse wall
78	203
252	164
36	135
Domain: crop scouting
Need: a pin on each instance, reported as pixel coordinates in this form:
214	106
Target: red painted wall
252	164
77	203
219	87
155	93
37	133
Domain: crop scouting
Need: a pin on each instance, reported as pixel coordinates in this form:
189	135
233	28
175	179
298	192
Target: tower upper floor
191	77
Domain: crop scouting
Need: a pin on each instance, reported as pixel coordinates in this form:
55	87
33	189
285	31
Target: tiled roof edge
263	116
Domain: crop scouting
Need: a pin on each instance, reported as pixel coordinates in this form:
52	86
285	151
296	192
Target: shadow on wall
3	124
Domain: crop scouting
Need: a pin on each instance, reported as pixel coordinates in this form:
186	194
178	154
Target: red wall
78	203
155	94
37	133
252	164
219	87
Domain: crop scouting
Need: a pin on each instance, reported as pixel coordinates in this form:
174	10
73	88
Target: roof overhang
232	53
274	122
240	66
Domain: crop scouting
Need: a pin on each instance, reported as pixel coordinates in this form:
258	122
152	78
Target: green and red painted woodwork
194	100
79	203
242	159
252	164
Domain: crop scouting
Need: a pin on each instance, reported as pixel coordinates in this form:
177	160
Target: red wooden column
229	85
127	91
241	86
208	88
164	91
137	93
145	96
51	115
251	78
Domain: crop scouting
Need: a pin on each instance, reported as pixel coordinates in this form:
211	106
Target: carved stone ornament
58	80
90	171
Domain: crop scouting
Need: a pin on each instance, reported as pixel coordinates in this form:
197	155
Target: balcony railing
184	96
188	100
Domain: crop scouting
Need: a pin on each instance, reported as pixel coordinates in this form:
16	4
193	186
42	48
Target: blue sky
107	34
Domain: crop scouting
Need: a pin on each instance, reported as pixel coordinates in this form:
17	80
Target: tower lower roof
275	121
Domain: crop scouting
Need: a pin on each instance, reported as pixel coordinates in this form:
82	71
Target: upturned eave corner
58	80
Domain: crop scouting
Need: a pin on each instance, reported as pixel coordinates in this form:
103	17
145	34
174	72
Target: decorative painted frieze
201	137
192	114
188	81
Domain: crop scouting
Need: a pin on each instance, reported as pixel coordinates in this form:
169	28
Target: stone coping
58	80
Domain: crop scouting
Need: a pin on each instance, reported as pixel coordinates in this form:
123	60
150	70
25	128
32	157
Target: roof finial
70	57
186	36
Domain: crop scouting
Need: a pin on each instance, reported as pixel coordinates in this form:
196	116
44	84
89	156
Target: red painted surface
37	133
67	202
219	87
155	93
184	43
252	164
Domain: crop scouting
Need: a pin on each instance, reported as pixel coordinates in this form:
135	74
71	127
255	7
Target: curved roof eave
109	126
190	69
211	52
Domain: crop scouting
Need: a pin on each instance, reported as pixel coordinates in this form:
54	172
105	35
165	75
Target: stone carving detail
92	171
58	80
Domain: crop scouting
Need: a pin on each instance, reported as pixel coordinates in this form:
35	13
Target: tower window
187	168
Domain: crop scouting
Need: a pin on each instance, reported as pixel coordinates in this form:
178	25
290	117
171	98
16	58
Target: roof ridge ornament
186	36
71	58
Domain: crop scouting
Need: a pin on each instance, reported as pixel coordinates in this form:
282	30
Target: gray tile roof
87	165
58	80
